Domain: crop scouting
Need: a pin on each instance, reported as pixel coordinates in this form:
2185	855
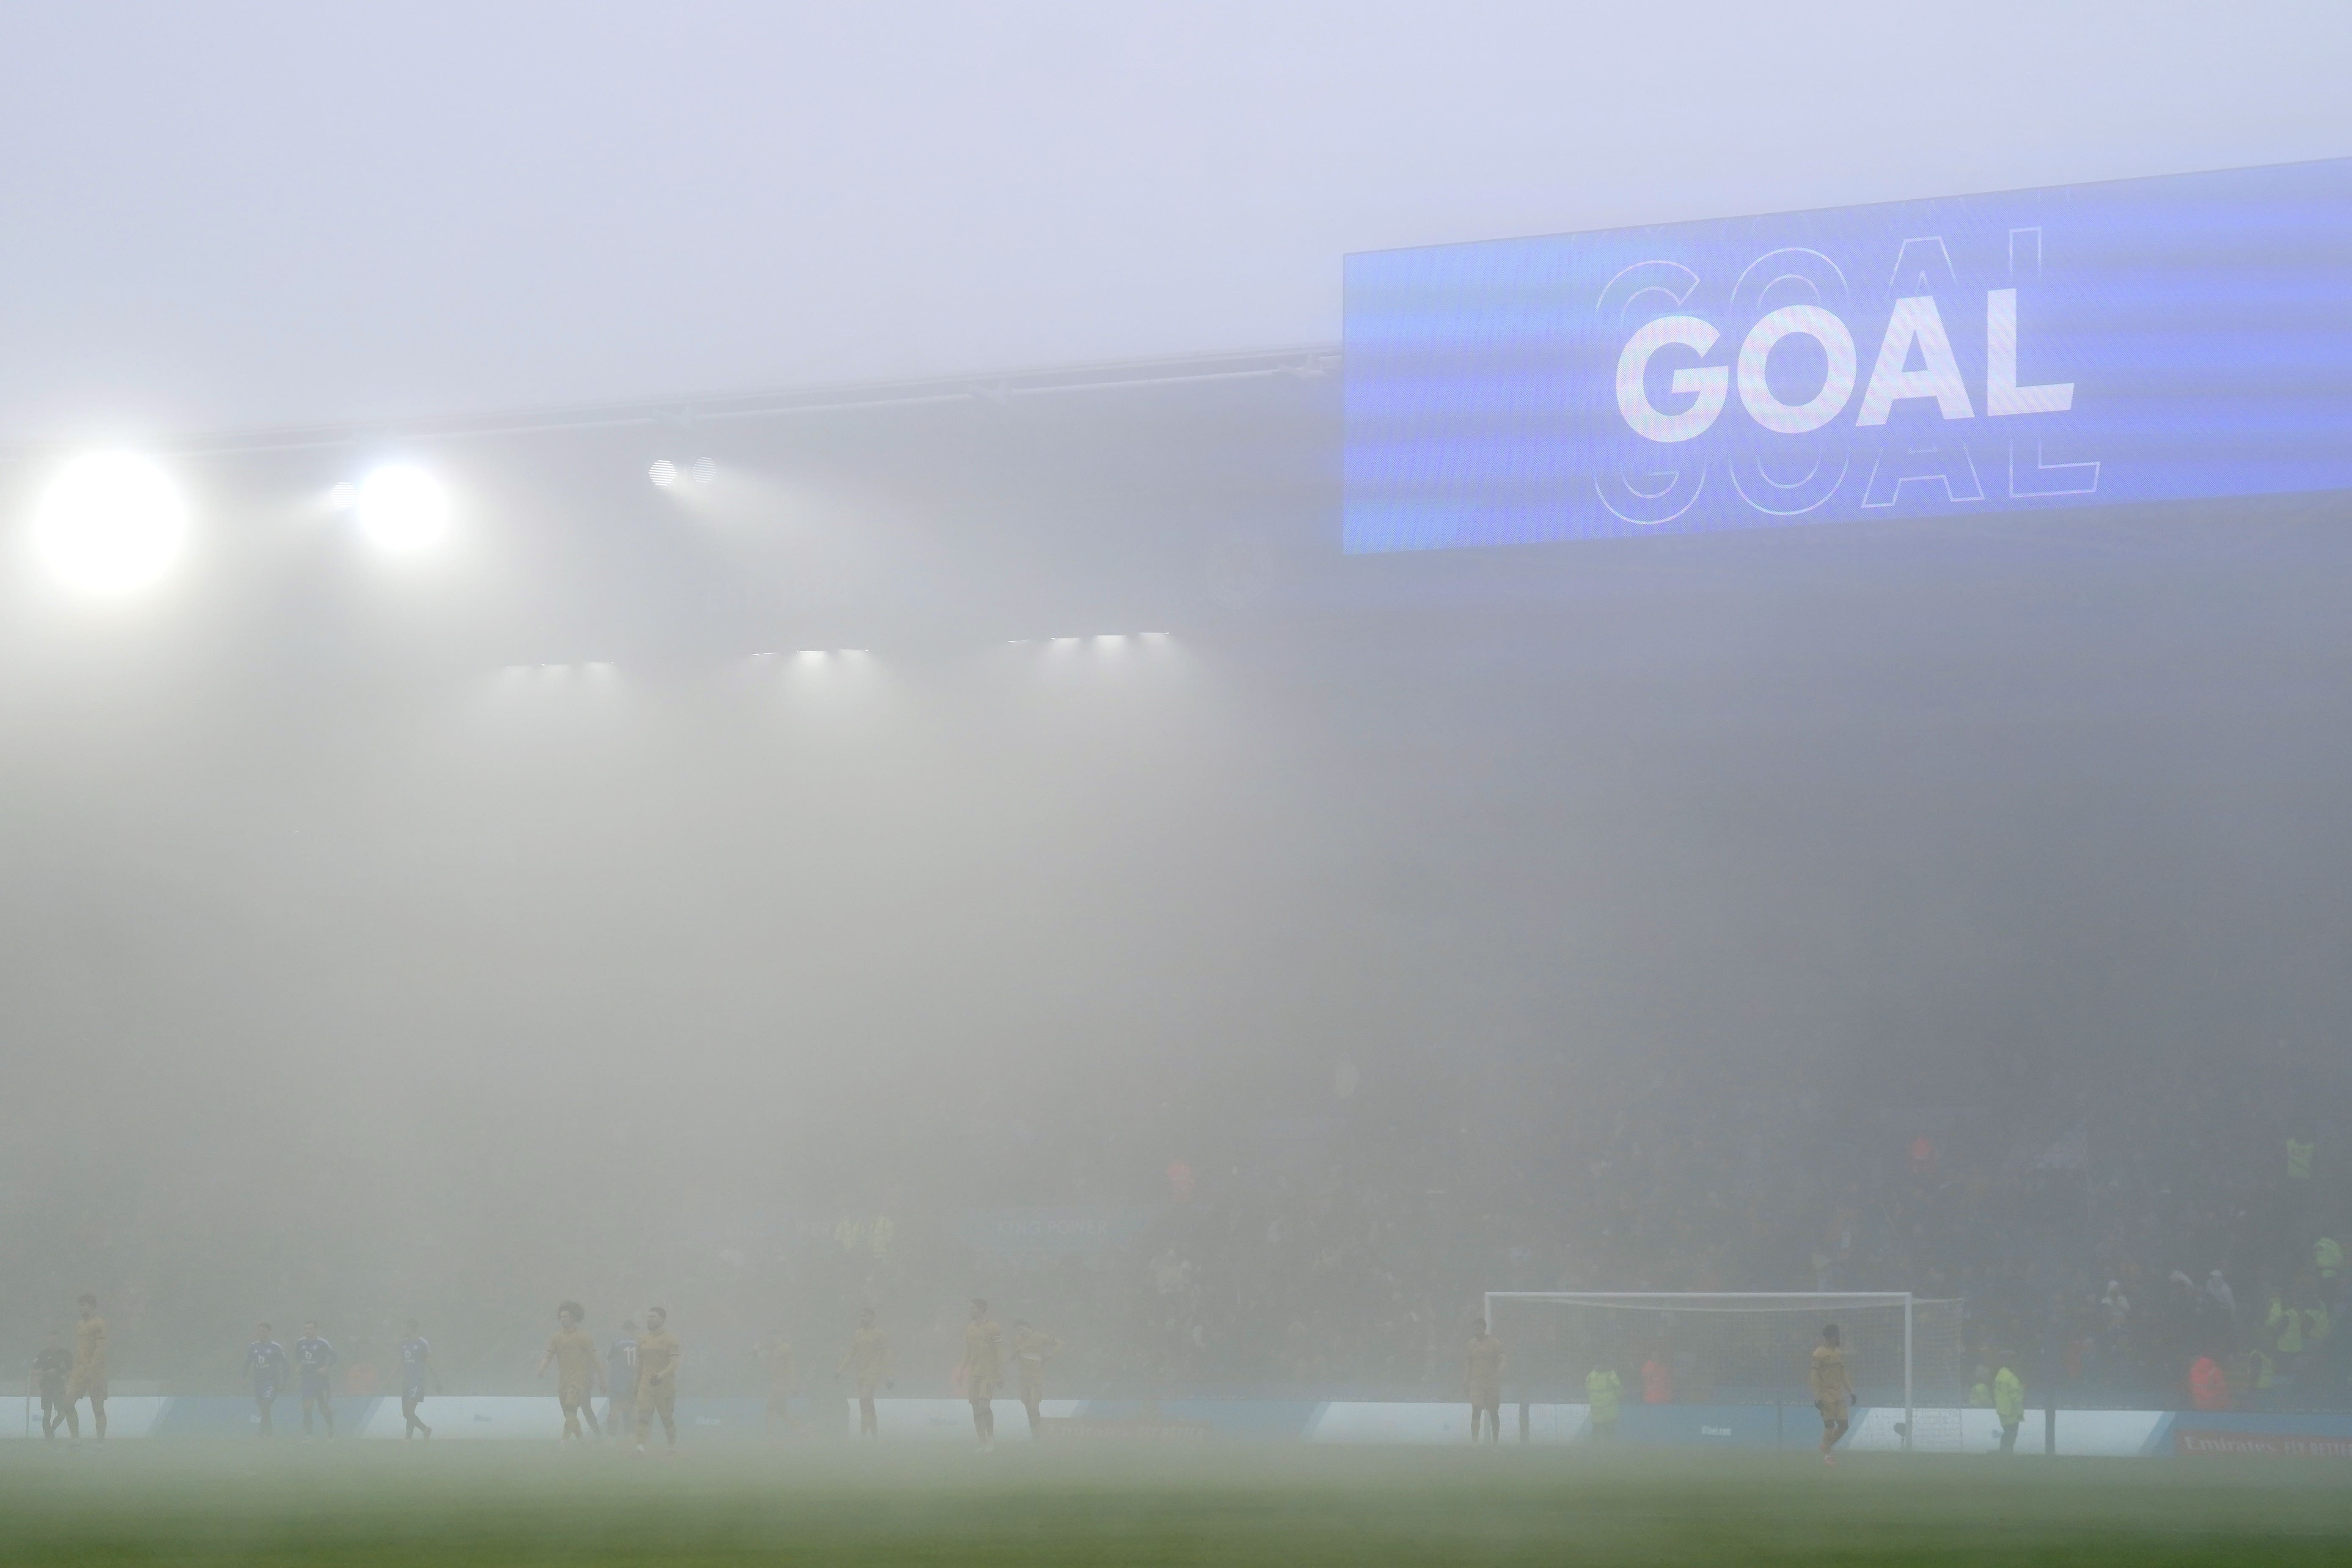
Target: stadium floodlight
1753	1349
664	473
111	523
403	509
705	470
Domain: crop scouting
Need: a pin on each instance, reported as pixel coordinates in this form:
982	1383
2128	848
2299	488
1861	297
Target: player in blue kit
415	1366
49	1370
312	1357
265	1369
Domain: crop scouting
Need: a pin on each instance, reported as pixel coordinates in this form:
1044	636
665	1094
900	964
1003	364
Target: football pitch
466	1503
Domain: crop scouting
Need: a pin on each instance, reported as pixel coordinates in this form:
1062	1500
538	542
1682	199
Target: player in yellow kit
868	1357
775	1354
572	1351
1486	1383
658	1363
88	1378
1833	1392
982	1369
1030	1349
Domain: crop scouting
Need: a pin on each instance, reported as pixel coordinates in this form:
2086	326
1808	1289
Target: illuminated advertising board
2168	339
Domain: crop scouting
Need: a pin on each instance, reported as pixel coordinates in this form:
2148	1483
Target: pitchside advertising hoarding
2153	340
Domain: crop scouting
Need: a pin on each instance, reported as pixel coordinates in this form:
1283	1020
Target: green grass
458	1503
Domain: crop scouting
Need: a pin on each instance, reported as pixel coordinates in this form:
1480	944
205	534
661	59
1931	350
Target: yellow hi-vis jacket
2008	1397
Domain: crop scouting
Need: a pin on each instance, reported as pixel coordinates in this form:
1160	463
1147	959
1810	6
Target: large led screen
2134	341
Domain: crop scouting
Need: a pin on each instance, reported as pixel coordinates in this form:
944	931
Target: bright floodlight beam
111	523
402	509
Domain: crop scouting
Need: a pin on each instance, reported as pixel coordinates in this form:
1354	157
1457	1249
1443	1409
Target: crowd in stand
2152	1239
2168	1240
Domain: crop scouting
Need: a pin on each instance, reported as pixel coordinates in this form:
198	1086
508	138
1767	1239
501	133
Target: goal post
1902	1351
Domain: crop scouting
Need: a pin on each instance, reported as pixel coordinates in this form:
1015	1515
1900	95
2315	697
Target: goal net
1904	1353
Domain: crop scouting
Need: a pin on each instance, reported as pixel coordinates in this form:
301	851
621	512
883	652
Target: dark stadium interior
1779	911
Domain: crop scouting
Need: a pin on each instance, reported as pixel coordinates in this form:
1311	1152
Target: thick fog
989	840
272	214
542	920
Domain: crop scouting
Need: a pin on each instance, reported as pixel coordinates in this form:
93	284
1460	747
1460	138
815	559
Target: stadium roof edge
1305	361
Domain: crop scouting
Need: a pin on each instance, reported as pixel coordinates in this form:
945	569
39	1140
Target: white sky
238	213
